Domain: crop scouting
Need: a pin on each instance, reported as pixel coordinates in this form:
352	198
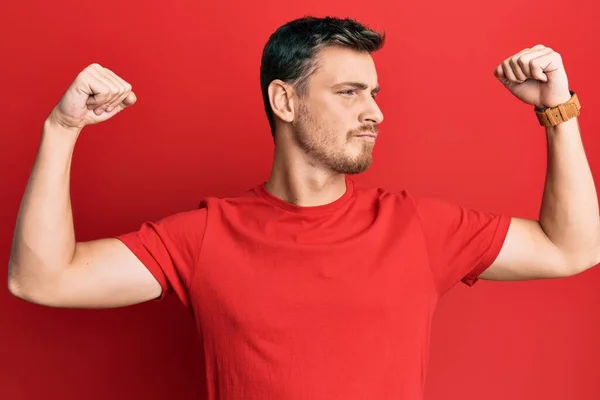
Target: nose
372	113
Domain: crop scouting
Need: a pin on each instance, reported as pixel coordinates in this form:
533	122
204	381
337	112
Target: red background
199	128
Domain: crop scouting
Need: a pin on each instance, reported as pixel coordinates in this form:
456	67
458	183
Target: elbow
595	259
14	283
30	290
583	261
29	293
17	288
14	287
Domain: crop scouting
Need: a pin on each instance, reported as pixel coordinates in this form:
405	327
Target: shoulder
404	197
246	197
410	204
388	197
197	215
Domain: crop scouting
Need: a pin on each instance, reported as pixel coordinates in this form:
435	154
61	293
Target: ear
282	97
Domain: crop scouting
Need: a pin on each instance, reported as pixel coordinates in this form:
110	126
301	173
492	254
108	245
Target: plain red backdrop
451	130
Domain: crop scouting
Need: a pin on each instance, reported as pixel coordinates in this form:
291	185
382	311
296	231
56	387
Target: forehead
338	64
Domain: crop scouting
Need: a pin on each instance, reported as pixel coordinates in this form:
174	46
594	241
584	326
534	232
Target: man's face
336	120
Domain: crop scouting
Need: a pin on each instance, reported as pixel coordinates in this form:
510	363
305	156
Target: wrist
561	113
57	138
55	122
565	97
53	127
566	126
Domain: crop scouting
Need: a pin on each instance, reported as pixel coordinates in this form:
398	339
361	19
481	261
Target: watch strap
552	116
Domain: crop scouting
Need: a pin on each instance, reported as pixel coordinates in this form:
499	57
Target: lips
371	135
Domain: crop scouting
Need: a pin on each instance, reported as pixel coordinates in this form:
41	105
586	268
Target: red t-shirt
311	303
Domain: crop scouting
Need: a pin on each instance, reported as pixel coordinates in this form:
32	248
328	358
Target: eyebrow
358	85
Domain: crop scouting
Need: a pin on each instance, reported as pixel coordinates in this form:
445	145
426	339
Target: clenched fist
96	95
535	76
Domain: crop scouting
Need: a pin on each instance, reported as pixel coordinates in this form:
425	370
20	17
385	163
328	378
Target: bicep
527	254
104	273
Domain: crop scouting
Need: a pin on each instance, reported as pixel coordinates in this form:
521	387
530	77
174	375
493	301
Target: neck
297	180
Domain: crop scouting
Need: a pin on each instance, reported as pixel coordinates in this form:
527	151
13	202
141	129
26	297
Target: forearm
44	239
569	214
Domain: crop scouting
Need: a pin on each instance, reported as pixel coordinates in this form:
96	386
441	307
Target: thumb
130	100
119	105
499	73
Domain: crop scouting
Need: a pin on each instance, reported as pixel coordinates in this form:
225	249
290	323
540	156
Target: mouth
367	136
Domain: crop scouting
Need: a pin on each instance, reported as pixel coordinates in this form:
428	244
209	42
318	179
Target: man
306	286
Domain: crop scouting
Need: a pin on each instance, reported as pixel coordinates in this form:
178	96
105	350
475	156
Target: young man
307	287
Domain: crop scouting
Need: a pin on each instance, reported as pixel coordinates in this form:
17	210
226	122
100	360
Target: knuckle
105	90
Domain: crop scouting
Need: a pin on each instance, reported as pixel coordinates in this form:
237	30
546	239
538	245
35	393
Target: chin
355	166
355	171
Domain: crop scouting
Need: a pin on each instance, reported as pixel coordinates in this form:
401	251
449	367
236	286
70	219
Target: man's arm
47	266
566	238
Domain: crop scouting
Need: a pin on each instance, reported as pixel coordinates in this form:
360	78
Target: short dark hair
290	52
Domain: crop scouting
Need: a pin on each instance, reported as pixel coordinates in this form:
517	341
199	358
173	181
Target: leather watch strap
553	116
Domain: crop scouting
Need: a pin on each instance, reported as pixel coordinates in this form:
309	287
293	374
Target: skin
565	239
318	140
326	133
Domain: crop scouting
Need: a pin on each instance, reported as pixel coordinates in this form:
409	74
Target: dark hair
291	50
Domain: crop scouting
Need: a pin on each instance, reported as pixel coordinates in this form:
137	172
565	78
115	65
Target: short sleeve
170	249
461	242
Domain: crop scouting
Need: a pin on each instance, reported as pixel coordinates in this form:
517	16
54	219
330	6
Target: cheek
335	117
328	121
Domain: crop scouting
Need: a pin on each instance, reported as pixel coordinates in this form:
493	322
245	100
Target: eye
348	92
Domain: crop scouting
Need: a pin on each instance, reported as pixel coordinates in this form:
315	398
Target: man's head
318	83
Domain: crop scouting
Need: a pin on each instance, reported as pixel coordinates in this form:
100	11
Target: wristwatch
552	116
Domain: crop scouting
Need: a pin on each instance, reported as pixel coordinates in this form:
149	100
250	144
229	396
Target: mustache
372	128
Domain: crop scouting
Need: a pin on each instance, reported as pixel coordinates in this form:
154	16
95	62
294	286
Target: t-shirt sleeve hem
492	252
133	243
